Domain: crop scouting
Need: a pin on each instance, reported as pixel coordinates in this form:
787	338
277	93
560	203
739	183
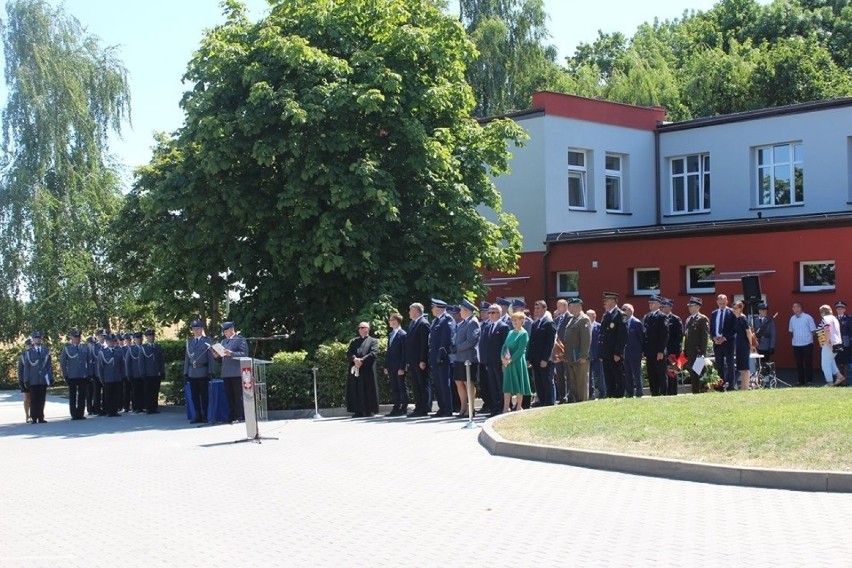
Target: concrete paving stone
154	491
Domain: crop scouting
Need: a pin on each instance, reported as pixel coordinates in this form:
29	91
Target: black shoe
357	415
113	414
416	414
393	413
437	415
196	421
42	421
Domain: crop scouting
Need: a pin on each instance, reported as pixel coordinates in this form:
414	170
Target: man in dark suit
484	329
633	353
395	366
722	331
539	350
440	342
596	376
417	360
497	332
656	336
674	345
612	339
155	372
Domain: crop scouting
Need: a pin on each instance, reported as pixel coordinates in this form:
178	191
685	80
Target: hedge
289	379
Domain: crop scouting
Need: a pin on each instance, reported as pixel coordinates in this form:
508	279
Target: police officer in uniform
198	367
37	376
844	358
135	372
111	377
235	346
155	371
440	341
75	362
95	406
122	345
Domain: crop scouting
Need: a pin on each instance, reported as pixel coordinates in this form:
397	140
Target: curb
791	479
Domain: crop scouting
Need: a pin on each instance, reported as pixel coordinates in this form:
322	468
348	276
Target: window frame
649	291
582	173
567	293
811	288
617	175
703	175
792	163
709	288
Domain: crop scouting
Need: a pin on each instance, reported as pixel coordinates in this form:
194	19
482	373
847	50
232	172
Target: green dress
516	379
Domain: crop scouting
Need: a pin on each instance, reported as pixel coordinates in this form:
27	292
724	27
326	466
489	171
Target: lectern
253	374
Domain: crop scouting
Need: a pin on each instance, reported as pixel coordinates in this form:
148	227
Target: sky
156	39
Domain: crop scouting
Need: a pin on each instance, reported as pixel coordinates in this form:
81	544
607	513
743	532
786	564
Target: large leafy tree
58	189
737	56
327	169
514	59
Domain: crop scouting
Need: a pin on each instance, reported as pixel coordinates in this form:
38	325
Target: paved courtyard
153	491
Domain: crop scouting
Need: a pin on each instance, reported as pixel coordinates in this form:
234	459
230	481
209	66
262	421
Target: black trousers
113	397
483	385
614	377
804	355
77	391
495	388
152	394
97	389
127	389
234	394
544	383
399	390
38	396
560	378
199	388
137	393
422	386
656	374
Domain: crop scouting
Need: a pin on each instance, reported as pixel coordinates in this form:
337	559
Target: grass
789	428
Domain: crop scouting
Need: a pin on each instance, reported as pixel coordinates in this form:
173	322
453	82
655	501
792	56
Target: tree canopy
58	189
327	170
737	56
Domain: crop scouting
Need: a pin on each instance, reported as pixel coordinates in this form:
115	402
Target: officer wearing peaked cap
235	346
75	362
134	370
111	375
198	369
37	376
155	372
440	341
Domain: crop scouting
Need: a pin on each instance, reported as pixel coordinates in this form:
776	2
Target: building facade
609	197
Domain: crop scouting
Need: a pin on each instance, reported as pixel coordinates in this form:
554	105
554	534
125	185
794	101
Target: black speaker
751	289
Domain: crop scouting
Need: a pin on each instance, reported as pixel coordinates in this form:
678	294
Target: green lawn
792	428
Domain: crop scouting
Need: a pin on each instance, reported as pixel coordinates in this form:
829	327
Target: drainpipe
544	268
657	195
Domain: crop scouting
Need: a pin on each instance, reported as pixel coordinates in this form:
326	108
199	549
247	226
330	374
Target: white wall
638	174
824	134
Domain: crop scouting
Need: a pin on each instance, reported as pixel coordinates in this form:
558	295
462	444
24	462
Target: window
694	277
613	183
780	175
646	281
577	197
690	179
816	275
567	284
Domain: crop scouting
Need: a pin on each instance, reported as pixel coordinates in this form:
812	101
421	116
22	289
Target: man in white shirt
802	327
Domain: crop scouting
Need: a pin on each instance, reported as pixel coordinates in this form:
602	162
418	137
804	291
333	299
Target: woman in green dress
516	379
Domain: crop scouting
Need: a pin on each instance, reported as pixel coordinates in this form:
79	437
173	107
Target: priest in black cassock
362	391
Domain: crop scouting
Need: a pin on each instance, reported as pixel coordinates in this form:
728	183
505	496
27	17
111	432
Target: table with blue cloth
217	406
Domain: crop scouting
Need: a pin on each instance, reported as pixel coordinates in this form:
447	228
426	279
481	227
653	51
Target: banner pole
317	415
470	423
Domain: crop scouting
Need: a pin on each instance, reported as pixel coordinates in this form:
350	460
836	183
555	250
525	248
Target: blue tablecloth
217	406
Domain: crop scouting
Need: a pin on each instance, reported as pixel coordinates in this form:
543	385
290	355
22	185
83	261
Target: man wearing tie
493	355
75	363
481	349
395	366
696	336
655	337
37	376
633	353
417	360
722	330
539	351
111	375
198	366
